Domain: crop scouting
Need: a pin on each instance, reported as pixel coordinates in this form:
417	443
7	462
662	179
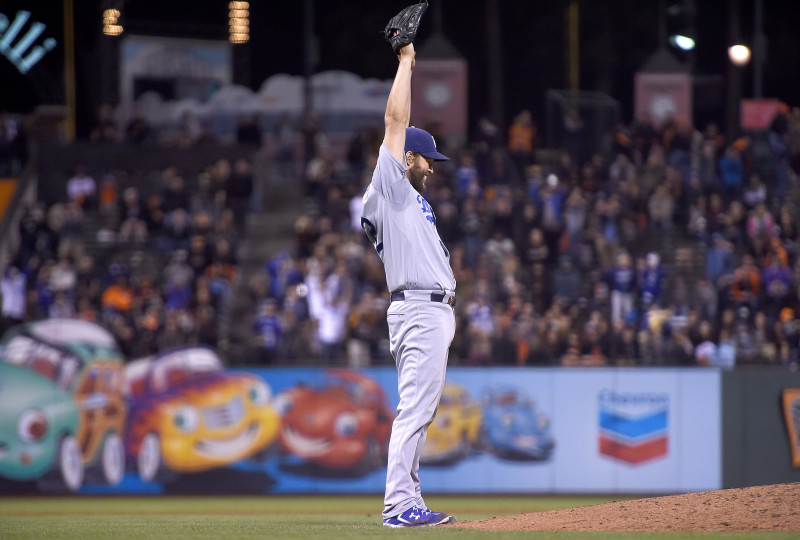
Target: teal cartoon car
38	426
62	410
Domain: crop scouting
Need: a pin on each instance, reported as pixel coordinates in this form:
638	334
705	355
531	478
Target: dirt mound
760	508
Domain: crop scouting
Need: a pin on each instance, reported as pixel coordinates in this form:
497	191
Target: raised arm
398	106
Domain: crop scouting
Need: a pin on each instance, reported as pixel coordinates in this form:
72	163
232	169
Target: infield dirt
760	508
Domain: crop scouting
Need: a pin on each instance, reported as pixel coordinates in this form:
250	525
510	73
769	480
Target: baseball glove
402	28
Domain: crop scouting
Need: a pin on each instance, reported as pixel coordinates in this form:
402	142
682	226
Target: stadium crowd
560	259
84	256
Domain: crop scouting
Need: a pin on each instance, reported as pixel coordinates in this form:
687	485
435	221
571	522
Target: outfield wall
499	430
761	427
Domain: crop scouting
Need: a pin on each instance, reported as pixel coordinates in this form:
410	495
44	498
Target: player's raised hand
408	52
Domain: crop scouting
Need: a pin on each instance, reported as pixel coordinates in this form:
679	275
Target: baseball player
402	226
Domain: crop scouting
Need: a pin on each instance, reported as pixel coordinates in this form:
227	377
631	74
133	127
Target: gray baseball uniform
402	226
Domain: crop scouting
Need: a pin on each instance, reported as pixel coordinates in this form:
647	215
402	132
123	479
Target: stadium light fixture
239	22
739	54
111	26
684	43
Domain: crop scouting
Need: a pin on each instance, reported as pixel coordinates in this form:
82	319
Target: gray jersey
402	226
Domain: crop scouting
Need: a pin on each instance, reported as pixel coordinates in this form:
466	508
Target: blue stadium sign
17	41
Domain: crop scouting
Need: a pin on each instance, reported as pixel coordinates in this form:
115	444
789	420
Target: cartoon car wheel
149	463
67	471
111	465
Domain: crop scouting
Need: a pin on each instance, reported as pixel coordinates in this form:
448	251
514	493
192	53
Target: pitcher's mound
760	508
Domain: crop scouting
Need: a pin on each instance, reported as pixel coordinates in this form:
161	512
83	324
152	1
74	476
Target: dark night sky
616	38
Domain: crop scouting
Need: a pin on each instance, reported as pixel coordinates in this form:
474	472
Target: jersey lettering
426	209
372	233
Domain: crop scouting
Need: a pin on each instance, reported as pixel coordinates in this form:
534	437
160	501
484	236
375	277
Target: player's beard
416	176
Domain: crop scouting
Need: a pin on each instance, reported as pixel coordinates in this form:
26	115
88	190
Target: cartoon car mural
456	430
187	415
341	422
62	412
515	429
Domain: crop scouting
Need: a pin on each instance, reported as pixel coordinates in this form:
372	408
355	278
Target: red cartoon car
341	423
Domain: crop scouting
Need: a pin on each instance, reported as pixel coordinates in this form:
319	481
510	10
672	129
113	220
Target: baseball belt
439	297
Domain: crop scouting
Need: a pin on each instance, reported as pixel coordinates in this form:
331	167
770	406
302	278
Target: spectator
661	207
652	281
471	231
480	325
705	300
467	180
239	191
622	170
177	230
178	269
82	188
760	228
731	172
329	301
746	284
174	192
178	293
725	356
269	332
575	139
719	260
622	283
780	155
63	279
575	218
62	307
67	221
365	324
13	290
13	145
777	282
117	299
137	130
550	201
522	140
755	193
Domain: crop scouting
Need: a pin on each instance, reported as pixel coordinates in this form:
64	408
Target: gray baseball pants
420	333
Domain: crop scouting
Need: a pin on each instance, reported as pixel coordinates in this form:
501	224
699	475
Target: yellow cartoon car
456	430
187	415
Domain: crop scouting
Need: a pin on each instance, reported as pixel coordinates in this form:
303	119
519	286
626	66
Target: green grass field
268	517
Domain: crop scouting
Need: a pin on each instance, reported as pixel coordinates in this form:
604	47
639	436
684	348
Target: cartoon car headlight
185	419
444	421
346	424
32	425
543	421
282	404
259	394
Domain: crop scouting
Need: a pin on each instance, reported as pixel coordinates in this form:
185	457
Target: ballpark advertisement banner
179	422
791	415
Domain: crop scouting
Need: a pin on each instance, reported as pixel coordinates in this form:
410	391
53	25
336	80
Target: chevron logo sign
17	41
633	426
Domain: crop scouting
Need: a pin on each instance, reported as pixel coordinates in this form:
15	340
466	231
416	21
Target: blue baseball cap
422	142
